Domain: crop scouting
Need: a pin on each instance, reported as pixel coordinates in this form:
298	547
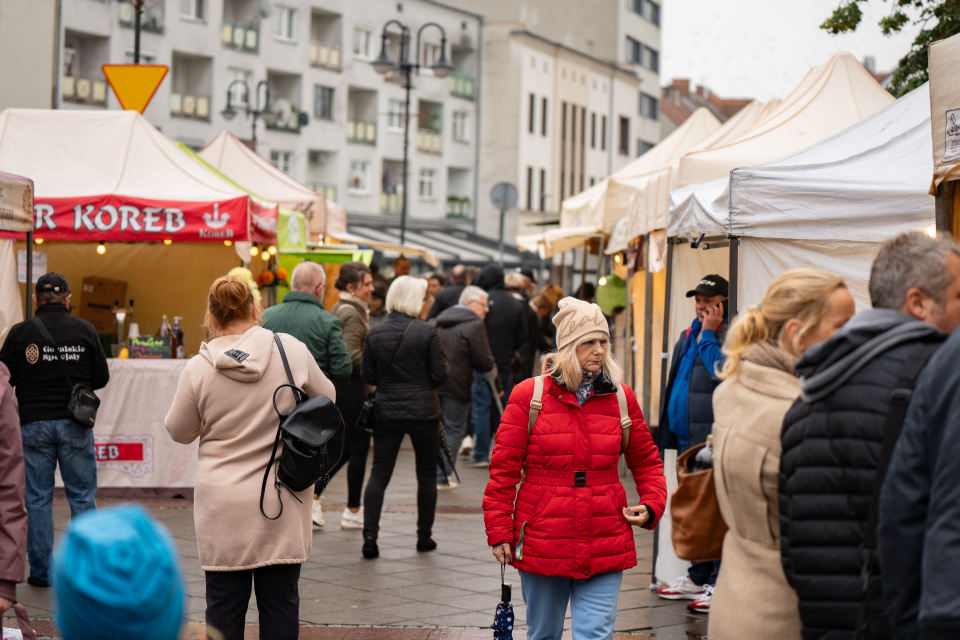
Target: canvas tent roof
16	203
95	162
229	155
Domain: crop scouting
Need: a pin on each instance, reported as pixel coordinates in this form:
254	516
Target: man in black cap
39	372
686	414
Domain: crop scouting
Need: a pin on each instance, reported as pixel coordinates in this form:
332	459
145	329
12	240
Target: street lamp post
383	64
266	112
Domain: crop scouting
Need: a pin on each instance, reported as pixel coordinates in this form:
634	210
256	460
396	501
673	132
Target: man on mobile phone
686	415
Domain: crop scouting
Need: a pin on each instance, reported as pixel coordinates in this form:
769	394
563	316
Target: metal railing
190	106
83	90
391	202
461	85
328	191
362	131
243	37
325	55
458	207
429	140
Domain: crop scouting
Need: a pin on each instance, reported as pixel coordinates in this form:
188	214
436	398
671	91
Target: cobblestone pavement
447	594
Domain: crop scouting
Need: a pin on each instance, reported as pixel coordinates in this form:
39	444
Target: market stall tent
16	216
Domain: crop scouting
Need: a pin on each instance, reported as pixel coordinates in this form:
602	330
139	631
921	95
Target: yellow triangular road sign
134	84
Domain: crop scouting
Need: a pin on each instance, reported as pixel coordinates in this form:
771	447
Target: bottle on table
704	457
178	351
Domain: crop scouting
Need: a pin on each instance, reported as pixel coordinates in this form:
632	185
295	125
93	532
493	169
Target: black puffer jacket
406	384
831	446
448	296
506	321
465	344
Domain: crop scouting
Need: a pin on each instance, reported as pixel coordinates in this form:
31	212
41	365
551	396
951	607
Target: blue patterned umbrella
503	619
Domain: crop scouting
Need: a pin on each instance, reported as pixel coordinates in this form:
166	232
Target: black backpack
313	441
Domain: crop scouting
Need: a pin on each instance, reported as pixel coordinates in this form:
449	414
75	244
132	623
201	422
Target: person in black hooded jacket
833	434
403	357
506	324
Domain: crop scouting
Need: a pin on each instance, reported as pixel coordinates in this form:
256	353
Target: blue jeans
455	412
481	407
593	605
46	443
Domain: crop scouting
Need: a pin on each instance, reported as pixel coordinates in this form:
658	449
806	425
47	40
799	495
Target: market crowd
833	460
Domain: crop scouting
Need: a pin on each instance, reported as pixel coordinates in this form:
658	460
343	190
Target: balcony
458	207
328	191
288	118
461	85
391	202
429	141
150	20
325	56
242	37
84	90
362	131
190	106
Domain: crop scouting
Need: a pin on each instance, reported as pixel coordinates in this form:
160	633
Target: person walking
13	524
355	284
465	345
224	399
403	357
800	309
568	530
686	413
833	434
450	295
301	314
41	354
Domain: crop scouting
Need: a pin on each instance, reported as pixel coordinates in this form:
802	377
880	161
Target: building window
282	160
531	125
643	146
431	53
651	59
426	183
593	130
543	189
641	54
650	11
649	106
634	50
362	39
322	102
543	117
460	130
529	188
563	144
359	177
603	133
193	9
285	27
238	92
624	136
395	115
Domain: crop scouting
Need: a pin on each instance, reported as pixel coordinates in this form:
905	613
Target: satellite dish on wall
265	8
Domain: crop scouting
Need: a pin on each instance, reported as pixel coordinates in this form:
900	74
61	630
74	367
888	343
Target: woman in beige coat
225	398
800	309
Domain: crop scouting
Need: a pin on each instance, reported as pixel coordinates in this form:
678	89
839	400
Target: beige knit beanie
576	319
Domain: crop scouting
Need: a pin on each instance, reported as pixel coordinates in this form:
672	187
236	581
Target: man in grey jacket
465	343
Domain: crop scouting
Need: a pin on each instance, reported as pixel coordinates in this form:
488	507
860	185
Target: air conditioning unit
176	103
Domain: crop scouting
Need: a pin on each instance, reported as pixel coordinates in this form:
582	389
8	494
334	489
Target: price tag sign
148	347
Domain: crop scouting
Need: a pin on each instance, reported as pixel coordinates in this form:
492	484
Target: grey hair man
833	435
464	337
302	315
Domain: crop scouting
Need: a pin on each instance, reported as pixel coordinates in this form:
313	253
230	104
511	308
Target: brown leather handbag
697	527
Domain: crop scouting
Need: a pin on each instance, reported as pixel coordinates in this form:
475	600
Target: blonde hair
798	293
406	295
564	365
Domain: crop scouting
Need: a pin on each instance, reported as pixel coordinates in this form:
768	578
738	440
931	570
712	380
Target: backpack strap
299	396
536	403
625	421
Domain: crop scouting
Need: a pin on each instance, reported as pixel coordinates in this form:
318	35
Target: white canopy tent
16	216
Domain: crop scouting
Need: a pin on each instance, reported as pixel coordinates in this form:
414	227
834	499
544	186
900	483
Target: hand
5	604
636	516
502	553
713	317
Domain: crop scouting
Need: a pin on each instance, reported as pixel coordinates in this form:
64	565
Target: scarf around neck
586	384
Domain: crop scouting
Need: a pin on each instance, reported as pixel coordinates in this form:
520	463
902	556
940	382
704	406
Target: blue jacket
698	388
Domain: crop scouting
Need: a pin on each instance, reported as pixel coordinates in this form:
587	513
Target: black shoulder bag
365	419
83	403
873	619
313	440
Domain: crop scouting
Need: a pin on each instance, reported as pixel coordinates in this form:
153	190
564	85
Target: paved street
447	594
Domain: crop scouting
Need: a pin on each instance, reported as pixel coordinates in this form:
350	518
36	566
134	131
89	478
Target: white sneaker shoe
352	520
451	484
466	447
318	514
702	604
683	589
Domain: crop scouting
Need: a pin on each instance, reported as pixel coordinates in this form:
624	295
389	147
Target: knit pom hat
116	575
576	319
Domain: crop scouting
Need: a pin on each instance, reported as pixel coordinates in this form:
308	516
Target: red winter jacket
570	528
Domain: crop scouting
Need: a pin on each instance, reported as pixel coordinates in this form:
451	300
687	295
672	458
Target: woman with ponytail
800	309
224	398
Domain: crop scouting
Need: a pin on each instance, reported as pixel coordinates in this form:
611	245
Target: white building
315	57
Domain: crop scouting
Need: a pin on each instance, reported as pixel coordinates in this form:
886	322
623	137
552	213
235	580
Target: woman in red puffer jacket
568	530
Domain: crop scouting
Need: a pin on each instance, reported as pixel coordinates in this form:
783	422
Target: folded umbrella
503	619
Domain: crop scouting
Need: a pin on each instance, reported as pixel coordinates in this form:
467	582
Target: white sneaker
702	604
451	484
683	589
318	514
466	447
352	520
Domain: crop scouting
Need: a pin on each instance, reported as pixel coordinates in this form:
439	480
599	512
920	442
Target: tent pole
944	208
647	330
603	237
28	300
664	355
734	276
583	265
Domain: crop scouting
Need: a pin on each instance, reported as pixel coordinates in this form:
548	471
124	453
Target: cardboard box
98	297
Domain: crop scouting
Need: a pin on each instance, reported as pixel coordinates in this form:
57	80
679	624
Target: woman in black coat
403	357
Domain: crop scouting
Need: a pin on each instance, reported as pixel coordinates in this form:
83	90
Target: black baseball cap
710	286
52	283
527	272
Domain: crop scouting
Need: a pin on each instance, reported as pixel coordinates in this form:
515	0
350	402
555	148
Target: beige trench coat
752	598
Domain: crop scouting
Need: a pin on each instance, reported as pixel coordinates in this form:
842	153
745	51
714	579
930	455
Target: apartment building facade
339	125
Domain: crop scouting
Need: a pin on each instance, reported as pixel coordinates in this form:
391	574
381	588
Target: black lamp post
267	113
383	64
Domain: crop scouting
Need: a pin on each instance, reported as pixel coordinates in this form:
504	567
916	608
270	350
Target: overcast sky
762	48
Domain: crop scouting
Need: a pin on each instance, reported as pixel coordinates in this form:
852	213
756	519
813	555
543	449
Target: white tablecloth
134	450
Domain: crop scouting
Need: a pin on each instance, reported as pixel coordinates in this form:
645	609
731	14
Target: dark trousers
387	437
278	600
350	396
